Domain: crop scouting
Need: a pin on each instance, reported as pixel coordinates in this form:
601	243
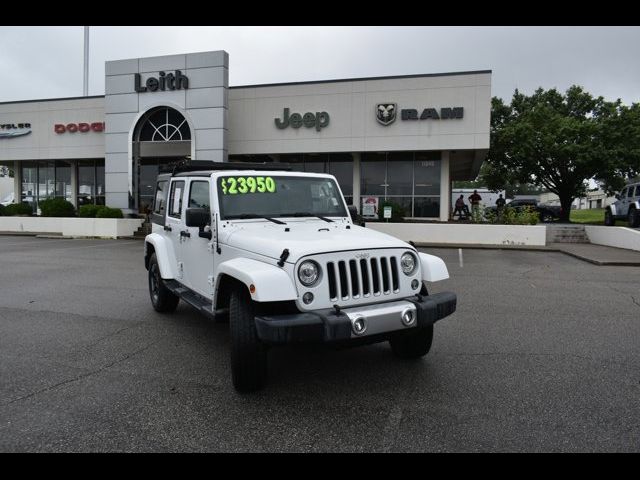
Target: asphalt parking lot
543	354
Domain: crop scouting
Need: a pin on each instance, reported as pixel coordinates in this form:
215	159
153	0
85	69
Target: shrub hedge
89	211
18	209
57	207
108	212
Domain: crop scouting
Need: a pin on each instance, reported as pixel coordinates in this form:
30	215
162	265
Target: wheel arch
155	243
270	283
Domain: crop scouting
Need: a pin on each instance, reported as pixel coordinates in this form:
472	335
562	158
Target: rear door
623	206
174	223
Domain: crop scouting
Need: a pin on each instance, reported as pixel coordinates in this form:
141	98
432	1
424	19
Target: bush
397	211
108	212
57	207
89	211
2	212
509	216
18	209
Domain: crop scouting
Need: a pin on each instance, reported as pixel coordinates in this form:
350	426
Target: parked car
548	213
277	255
626	207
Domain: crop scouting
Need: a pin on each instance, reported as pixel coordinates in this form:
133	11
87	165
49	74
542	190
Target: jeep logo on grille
363	255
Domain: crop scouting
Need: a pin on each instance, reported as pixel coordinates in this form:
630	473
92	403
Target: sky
47	62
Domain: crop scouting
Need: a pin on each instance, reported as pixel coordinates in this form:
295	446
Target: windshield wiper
244	216
306	214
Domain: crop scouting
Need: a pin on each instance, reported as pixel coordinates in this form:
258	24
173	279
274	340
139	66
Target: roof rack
194	165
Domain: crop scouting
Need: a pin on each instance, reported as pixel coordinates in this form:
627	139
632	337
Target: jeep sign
309	120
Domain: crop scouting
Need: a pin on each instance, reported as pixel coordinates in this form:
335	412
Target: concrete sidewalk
596	254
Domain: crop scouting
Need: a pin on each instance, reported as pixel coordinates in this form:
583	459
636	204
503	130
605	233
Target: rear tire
609	221
546	217
413	344
634	218
161	297
248	353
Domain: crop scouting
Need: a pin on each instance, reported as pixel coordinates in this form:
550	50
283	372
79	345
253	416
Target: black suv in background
548	213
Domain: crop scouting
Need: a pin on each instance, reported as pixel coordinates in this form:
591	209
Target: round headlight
309	273
408	263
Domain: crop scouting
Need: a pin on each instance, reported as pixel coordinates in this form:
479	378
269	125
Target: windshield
278	196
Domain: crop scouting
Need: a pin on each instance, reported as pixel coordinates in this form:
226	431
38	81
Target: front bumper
331	326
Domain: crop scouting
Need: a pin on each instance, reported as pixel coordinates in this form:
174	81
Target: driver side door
197	251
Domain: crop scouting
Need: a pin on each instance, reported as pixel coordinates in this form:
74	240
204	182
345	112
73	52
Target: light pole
85	89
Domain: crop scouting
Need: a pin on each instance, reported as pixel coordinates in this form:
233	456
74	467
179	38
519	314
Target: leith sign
164	81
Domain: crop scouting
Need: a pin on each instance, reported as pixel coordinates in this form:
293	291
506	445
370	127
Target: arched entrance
162	135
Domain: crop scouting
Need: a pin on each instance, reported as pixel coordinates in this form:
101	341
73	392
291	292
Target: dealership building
400	138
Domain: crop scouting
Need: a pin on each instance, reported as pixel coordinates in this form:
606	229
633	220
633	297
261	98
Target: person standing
475	198
500	203
461	209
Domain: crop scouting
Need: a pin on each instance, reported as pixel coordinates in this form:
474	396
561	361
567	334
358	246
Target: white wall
467	234
620	237
353	126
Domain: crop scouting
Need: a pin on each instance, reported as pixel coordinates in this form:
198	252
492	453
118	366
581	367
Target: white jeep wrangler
626	207
276	253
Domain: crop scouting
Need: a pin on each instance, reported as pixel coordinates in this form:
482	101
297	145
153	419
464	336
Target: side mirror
617	195
353	211
197	217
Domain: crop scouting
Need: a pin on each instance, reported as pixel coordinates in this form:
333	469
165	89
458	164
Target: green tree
559	142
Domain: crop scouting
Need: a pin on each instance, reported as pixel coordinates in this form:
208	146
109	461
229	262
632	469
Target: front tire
414	344
248	353
161	297
609	221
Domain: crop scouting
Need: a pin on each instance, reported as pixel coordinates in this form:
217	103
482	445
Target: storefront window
63	181
341	167
29	184
427	173
373	171
91	182
426	207
46	180
400	173
315	163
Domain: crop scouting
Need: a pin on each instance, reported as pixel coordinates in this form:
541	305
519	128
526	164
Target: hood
305	237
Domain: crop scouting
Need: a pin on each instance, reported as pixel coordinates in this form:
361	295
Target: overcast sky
47	62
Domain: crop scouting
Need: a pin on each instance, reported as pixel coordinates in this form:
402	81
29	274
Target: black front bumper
329	326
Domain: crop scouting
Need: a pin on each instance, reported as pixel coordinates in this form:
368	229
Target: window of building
91	182
409	179
341	167
164	125
45	179
373	174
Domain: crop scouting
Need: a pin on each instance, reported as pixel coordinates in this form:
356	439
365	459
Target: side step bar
194	299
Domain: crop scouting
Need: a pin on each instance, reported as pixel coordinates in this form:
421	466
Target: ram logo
386	113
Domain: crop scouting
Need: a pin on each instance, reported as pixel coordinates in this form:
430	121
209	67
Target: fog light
307	298
415	284
359	326
408	318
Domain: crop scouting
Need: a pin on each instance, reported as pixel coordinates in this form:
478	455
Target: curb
531	248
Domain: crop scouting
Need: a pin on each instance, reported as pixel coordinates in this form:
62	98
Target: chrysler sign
10	130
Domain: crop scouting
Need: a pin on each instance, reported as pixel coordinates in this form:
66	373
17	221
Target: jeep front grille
363	277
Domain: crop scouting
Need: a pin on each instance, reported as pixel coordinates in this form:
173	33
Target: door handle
185	233
167	228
